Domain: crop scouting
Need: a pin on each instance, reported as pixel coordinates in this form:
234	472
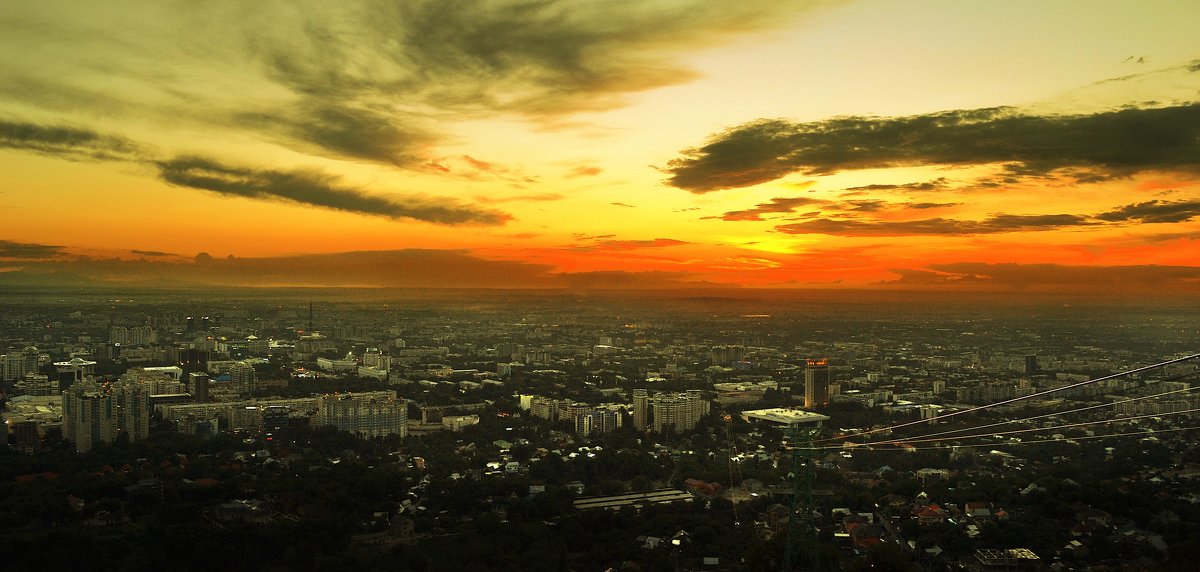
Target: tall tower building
1031	364
816	383
641	409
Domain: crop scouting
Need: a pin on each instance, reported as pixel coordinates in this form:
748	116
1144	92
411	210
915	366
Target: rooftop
784	416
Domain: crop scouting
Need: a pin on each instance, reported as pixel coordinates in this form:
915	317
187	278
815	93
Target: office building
1031	364
816	383
198	386
74	371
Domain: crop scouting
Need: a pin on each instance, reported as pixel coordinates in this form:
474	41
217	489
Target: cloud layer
1114	143
317	189
1018	277
370	80
409	268
72	143
301	187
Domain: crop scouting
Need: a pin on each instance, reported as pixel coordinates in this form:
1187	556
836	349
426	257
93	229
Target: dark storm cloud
1113	143
28	251
1154	211
67	142
777	205
313	188
935	226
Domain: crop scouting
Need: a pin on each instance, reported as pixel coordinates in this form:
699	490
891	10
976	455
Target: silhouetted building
26	435
1031	364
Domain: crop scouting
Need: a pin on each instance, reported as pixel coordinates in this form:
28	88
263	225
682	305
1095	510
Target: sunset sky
607	144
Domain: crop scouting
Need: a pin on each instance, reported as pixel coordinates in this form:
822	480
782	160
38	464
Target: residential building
370	414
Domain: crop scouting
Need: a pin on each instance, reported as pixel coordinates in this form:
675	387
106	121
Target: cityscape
600	285
432	431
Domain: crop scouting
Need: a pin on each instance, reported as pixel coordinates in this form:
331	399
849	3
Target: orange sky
926	144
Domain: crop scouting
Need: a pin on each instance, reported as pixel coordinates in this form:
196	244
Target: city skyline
580	145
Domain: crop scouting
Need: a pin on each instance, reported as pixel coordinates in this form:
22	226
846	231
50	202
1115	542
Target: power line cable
1016	399
1044	441
1056	413
873	446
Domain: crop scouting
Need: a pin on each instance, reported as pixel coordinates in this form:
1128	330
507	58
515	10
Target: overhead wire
1055	413
875	446
1043	441
1050	428
1014	399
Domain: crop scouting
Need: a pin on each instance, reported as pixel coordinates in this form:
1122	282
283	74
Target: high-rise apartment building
241	378
727	355
369	414
678	411
641	409
596	422
663	411
97	413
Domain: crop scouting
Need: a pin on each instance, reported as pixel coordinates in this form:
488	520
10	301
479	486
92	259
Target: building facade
97	413
370	414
